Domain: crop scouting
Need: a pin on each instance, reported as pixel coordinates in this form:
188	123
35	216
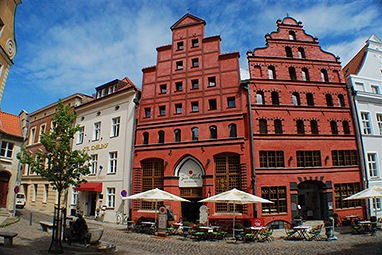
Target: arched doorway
4	181
311	200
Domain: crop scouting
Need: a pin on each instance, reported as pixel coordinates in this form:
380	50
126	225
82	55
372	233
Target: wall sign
96	147
190	175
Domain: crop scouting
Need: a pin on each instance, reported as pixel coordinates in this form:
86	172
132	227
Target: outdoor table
147	226
256	231
366	224
302	231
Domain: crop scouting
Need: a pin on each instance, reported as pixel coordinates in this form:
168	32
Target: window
334	127
161	136
310	99
292	73
94	164
110	197
345	158
375	89
42	131
194	106
6	149
365	119
260	97
314	127
346	127
344	190
34	192
292	36
263	126
275	98
179	86
359	86
276	194
1	25
195	134
212	81
329	100
180	45
195	84
288	51
179	65
112	162
177	135
178	108
308	158
377	204
80	136
296	99
162	110
213	132
32	135
115	126
300	127
46	193
195	43
271	72
272	159
305	74
74	196
278	126
372	164
324	76
231	102
147	112
379	122
341	100
301	52
97	131
145	138
52	126
152	177
212	104
232	130
163	88
195	62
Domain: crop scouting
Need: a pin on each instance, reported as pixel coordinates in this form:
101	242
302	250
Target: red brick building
191	129
304	143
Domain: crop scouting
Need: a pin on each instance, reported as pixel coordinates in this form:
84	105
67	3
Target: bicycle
121	218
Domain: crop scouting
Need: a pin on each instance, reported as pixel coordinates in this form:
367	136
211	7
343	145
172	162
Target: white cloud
347	50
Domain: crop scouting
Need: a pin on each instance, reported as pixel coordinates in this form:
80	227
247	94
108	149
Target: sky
73	46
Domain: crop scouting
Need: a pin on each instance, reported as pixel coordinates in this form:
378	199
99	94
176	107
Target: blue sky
73	46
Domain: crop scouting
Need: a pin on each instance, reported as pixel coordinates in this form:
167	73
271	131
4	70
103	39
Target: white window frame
46	193
375	89
35	188
94	164
113	158
379	122
372	167
97	131
115	124
376	206
8	148
32	135
81	135
110	197
74	196
366	124
360	86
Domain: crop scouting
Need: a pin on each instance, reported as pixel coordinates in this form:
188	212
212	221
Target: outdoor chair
289	231
357	228
266	235
314	233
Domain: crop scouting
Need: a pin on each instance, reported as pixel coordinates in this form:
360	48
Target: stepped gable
10	124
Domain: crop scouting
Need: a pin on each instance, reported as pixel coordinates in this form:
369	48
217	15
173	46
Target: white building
364	76
107	134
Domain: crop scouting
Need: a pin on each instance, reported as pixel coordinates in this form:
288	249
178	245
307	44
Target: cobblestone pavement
31	240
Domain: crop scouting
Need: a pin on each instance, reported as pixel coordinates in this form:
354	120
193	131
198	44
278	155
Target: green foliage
57	162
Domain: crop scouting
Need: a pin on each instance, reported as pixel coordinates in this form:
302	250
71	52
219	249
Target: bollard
30	219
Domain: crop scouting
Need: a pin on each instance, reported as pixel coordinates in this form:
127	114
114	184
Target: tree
58	163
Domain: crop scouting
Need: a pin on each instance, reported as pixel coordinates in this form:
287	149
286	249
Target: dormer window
195	43
180	45
292	36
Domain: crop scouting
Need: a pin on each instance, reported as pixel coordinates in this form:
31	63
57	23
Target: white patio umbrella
372	192
235	196
156	195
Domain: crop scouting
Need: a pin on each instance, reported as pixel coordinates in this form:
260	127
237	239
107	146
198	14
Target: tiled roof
10	124
355	63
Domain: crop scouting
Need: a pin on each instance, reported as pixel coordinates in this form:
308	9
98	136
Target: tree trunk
55	244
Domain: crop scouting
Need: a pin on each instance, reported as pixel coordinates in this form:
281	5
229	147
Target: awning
90	186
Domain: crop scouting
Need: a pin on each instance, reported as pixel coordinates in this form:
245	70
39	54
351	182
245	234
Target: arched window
310	99
232	130
213	132
288	51
301	52
333	127
292	36
271	72
296	98
329	100
263	126
346	127
161	136
324	75
260	97
292	73
195	134
314	127
257	71
177	135
152	177
300	127
145	138
305	74
341	100
275	98
278	126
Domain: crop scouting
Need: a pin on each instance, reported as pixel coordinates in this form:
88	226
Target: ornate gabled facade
304	142
363	75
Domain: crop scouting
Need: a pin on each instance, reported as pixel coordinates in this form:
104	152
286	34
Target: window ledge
109	173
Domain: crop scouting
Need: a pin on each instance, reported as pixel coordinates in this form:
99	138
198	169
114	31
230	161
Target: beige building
38	192
107	135
7	39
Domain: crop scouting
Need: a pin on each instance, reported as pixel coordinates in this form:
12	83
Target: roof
10	124
187	20
355	63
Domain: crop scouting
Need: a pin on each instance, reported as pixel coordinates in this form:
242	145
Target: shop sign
96	147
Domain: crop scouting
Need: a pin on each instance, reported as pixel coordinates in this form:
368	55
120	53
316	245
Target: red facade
304	144
191	129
